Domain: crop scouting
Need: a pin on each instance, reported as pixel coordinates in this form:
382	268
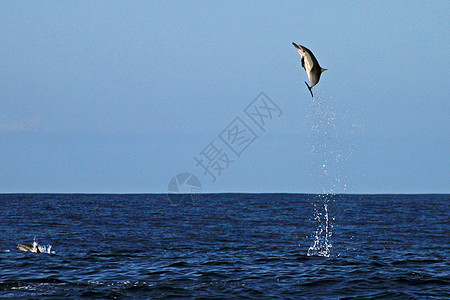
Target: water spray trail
332	144
323	138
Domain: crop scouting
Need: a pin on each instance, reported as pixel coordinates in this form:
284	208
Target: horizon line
216	193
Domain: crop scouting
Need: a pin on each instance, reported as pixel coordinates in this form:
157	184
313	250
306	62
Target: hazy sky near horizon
120	96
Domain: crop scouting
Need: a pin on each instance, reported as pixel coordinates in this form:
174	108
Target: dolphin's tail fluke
310	89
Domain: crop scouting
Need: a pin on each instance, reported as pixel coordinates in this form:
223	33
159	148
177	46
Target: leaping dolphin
311	66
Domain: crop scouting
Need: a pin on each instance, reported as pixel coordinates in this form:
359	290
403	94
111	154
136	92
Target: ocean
225	246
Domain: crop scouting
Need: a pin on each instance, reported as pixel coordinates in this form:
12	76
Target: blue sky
119	97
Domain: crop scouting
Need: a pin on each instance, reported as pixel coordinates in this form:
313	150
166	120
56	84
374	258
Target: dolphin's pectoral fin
310	89
303	63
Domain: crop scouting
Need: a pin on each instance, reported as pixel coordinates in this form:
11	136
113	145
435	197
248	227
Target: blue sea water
226	246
